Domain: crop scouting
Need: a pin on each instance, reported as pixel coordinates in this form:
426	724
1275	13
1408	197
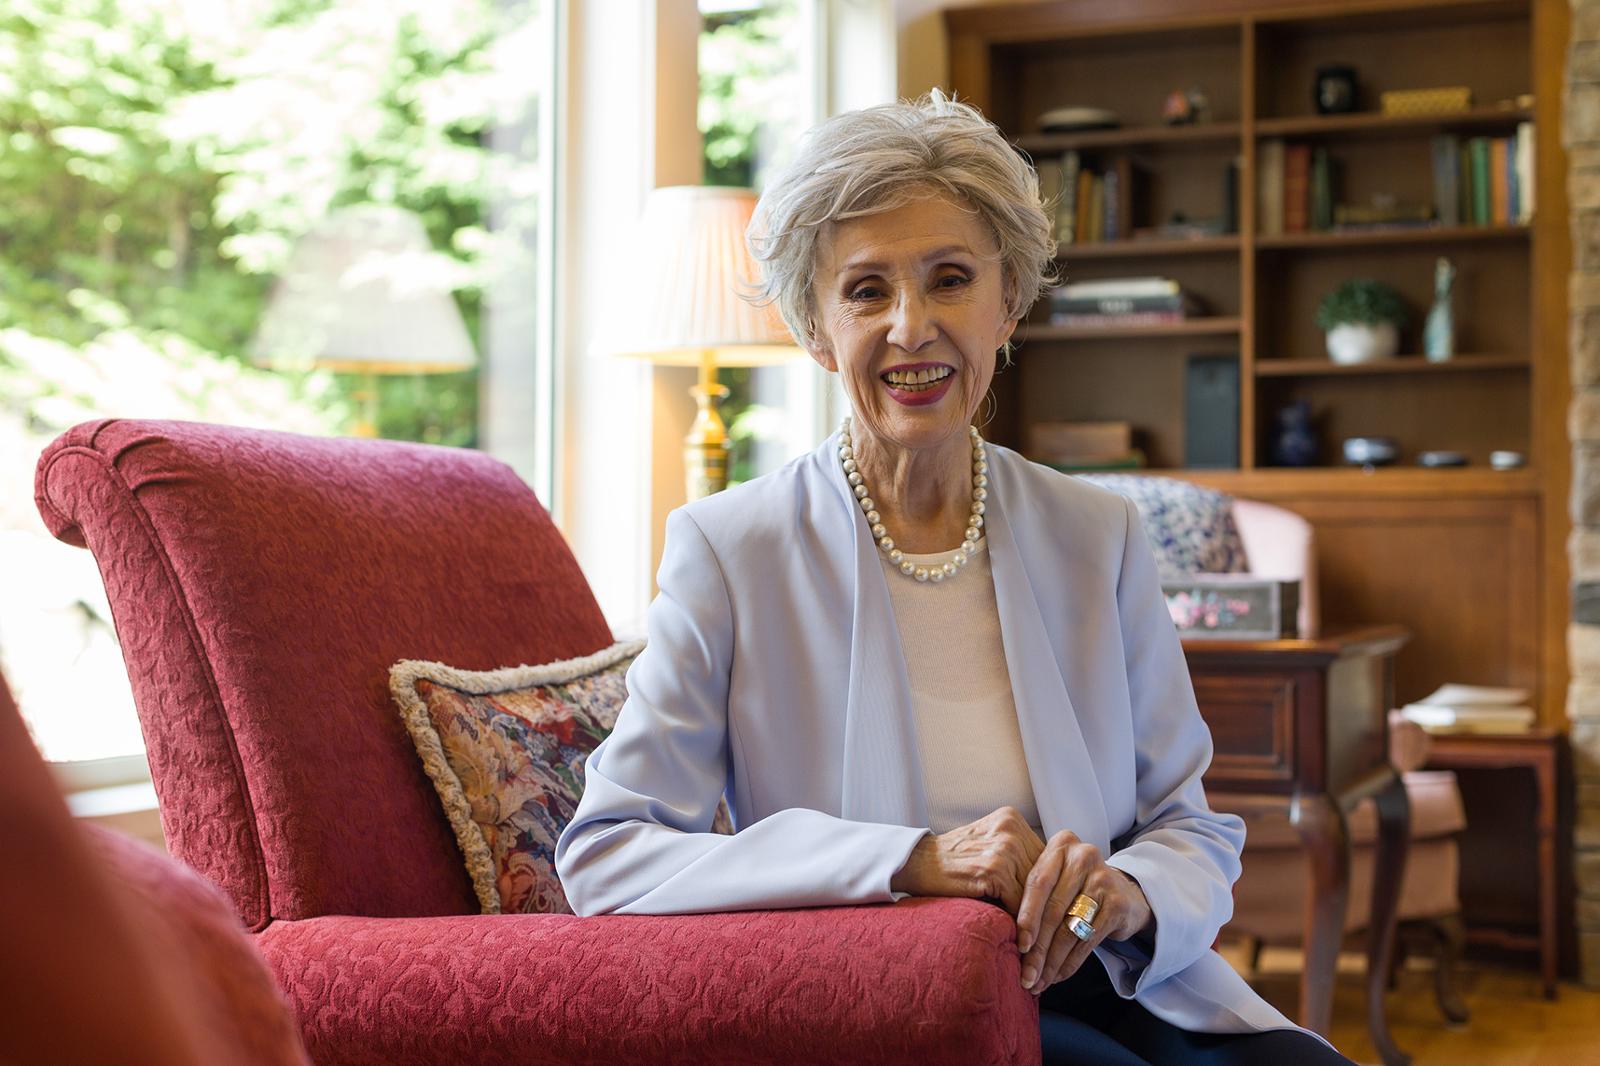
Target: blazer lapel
882	764
1064	782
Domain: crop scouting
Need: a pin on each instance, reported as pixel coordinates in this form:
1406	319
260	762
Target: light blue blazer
773	671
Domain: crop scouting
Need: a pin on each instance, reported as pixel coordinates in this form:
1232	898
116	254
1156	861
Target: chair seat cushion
1269	898
922	982
1436	811
505	751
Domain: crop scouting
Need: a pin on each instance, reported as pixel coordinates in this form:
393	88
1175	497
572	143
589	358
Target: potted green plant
1362	319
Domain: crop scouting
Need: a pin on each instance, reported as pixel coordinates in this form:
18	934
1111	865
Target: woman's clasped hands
1000	857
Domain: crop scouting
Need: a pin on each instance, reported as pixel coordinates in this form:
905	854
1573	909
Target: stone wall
1581	135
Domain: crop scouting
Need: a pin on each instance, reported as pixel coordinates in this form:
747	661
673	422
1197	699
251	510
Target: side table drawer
1252	729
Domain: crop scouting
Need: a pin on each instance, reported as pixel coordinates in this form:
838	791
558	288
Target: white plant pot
1353	343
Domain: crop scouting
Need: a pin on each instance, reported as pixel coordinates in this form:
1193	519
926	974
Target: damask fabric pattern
923	982
1190	527
248	569
505	750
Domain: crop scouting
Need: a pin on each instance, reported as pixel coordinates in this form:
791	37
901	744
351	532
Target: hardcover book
1296	188
1270	187
1482	193
1447	179
1499	186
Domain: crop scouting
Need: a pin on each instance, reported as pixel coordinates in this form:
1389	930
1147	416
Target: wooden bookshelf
1212	133
1493	119
1395	544
1400	364
1133	249
1430	235
1193	327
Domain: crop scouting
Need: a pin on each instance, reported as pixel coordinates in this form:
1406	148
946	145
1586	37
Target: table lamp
364	294
695	276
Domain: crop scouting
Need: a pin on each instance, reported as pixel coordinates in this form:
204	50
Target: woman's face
911	309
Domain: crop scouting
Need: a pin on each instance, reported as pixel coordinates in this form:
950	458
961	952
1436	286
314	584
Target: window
758	77
325	216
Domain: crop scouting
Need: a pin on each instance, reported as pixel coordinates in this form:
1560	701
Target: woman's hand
989	857
1068	866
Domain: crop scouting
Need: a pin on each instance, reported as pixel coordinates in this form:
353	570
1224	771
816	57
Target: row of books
1122	302
1478	181
1484	180
1090	206
1100	205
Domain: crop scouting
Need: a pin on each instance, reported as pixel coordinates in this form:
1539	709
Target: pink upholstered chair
113	952
262	585
1187	523
1270	897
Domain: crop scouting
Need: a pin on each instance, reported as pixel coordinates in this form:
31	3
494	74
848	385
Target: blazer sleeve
1184	855
640	841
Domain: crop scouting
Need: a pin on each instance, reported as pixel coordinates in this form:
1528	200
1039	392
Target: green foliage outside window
747	65
160	158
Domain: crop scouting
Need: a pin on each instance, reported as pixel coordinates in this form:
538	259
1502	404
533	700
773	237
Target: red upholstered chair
113	952
262	585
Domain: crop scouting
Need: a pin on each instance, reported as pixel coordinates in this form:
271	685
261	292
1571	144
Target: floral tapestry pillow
1191	528
505	751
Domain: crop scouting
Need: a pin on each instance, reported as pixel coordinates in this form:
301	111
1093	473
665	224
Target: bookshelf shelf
1340	483
1404	364
1193	327
1312	126
1141	248
1204	134
1432	234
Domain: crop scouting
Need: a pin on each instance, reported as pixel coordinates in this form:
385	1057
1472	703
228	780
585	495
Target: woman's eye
953	281
865	292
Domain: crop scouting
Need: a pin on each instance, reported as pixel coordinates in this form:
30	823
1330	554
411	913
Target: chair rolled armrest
923	981
1409	743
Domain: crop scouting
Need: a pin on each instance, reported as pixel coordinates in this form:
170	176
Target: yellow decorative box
1443	101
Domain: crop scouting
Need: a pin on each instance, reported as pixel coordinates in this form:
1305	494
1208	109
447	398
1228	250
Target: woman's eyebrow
875	266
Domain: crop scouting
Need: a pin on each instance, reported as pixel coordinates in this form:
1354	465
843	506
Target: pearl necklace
980	493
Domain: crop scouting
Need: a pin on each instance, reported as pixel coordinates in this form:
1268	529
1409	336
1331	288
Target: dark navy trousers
1083	1022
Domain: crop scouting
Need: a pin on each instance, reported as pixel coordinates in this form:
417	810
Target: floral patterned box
1232	606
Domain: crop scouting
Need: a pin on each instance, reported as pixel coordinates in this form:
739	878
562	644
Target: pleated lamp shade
364	293
693	274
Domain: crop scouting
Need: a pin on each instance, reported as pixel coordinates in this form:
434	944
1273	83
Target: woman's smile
918	384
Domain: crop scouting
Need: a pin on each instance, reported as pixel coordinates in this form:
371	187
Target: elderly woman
915	662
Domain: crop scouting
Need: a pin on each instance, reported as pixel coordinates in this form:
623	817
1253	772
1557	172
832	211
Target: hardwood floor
1512	1024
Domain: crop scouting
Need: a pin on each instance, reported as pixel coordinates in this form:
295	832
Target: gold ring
1084	906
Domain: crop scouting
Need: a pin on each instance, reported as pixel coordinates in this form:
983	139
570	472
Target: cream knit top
967	733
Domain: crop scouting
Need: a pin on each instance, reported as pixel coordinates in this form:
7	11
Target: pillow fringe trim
403	678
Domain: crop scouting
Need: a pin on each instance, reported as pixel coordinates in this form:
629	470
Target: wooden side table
1538	752
1301	726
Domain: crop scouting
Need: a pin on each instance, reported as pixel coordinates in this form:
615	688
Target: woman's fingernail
1028	974
1024	944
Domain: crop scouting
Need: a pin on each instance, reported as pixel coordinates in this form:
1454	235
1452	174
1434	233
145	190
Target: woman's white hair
880	158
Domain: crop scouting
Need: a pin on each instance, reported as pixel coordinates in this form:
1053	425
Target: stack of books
1084	447
1139	301
1477	181
1472	709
